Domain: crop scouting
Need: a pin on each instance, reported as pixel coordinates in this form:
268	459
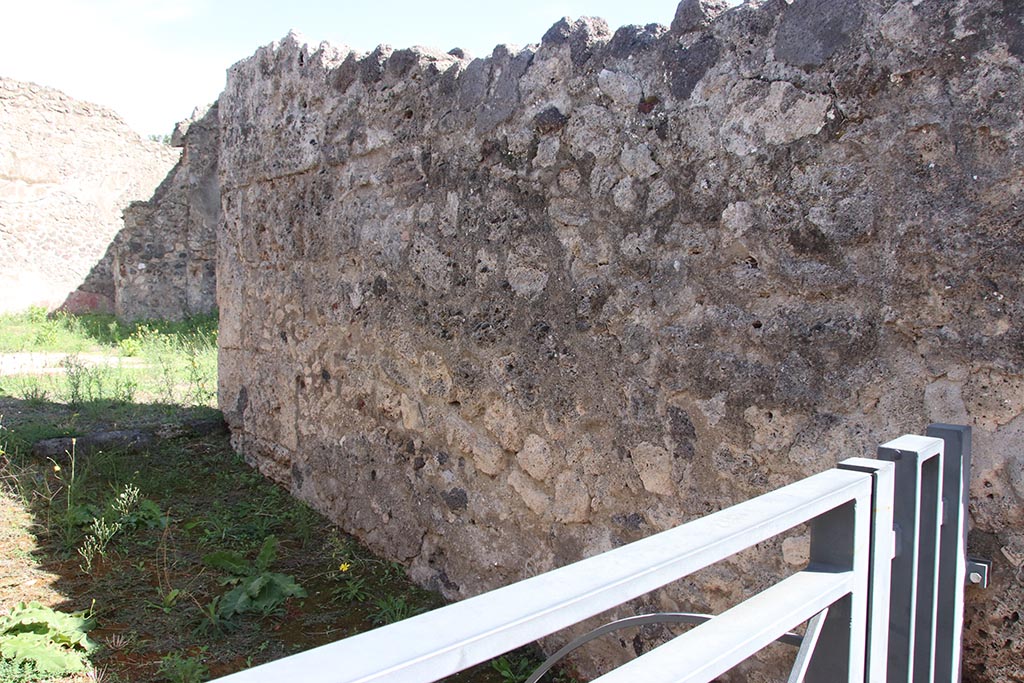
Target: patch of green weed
391	608
17	672
93	383
178	668
40	640
168	600
240	525
514	669
351	589
126	512
519	665
256	589
30	389
34	330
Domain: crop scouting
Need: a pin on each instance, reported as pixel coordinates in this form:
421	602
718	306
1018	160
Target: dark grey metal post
833	548
956	477
917	516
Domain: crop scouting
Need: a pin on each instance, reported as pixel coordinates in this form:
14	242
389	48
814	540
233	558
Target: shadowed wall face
495	315
164	261
67	170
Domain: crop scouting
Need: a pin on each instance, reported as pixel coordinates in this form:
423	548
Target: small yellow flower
56	468
344	567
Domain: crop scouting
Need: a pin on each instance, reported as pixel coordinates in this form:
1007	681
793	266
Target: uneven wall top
67	170
495	315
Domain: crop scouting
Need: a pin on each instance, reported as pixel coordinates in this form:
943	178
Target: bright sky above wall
153	61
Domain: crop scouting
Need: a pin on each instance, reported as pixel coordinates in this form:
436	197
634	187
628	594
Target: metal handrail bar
453	638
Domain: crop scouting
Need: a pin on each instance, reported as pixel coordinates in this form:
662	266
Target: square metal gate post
956	477
841	542
880	558
915	569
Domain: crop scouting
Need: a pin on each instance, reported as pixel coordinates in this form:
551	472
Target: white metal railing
844	594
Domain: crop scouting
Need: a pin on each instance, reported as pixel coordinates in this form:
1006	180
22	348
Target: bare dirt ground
20	578
37	363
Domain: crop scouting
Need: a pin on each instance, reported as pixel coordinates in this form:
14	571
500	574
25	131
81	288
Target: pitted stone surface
496	315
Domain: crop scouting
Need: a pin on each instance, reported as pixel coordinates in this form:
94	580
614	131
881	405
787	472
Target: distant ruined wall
495	315
67	170
164	261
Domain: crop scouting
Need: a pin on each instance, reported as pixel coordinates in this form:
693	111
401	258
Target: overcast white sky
153	61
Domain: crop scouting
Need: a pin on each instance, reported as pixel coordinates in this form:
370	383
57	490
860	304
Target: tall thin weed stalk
69	515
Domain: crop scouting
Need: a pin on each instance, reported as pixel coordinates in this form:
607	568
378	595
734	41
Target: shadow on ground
157	597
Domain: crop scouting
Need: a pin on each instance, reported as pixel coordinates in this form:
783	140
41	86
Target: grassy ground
185	563
106	366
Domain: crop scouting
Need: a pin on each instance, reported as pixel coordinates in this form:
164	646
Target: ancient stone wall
495	315
164	261
67	170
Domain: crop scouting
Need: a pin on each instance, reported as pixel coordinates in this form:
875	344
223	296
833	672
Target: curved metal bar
794	639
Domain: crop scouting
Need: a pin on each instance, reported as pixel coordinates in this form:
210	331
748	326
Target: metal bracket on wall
978	572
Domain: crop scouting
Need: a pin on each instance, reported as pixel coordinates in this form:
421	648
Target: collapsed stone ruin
495	315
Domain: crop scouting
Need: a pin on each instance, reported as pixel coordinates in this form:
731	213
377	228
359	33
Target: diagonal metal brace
810	639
